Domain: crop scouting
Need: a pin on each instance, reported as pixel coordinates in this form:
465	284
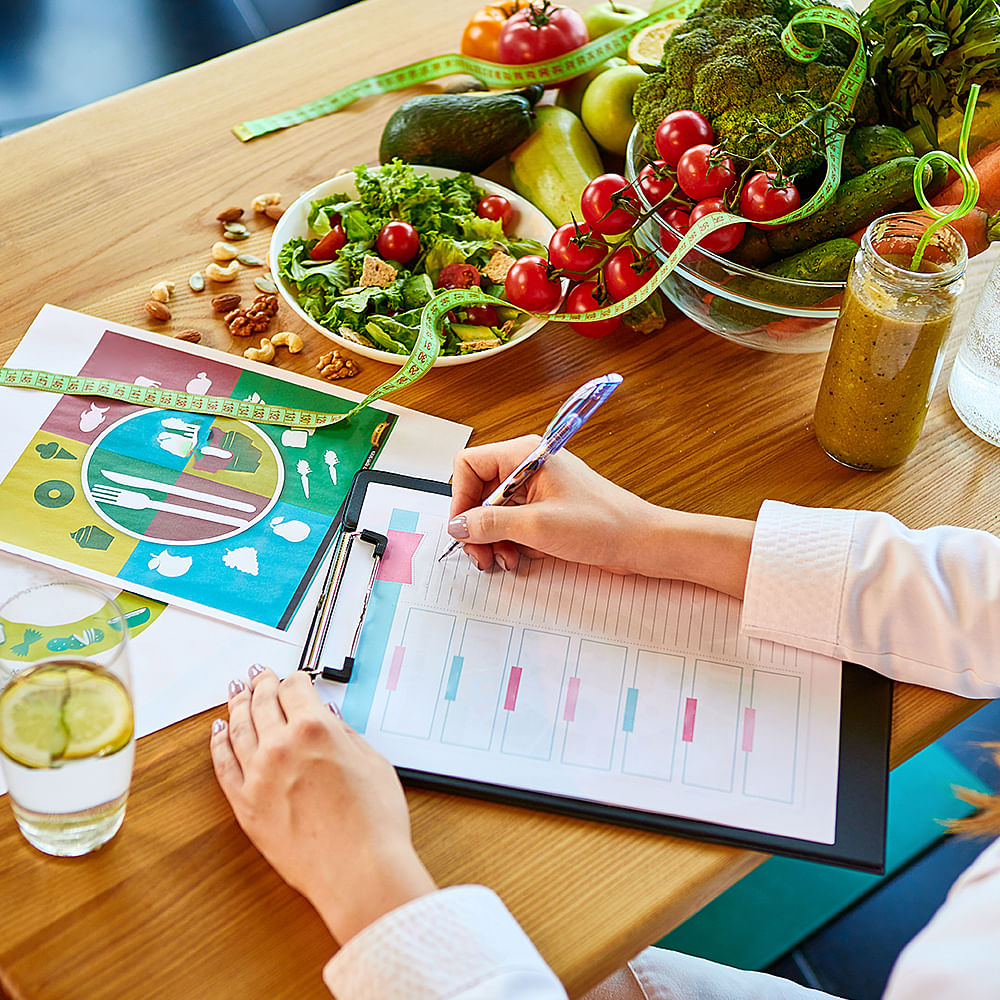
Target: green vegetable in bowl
726	62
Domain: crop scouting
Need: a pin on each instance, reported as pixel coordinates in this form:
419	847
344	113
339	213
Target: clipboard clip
328	598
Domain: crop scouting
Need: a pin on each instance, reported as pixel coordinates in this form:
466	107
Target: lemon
63	712
646	49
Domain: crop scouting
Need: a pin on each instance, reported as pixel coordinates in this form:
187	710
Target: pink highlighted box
749	721
394	668
513	683
572	693
690	708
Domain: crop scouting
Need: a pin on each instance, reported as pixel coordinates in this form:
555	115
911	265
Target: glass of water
67	740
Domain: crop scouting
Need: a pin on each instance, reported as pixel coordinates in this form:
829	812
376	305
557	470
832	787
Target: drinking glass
67	740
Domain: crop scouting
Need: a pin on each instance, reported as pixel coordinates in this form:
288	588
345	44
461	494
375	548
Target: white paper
571	681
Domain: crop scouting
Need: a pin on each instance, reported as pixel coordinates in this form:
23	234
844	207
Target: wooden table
101	203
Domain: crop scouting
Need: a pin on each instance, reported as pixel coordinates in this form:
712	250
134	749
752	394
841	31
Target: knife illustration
180	491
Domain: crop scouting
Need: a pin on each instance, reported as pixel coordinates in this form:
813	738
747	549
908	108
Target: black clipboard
862	789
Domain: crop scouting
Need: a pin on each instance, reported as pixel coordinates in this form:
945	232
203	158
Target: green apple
606	110
608	16
571	96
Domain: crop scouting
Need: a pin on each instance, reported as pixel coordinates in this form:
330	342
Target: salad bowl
529	223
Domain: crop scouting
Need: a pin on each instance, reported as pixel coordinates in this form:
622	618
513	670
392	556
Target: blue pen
572	415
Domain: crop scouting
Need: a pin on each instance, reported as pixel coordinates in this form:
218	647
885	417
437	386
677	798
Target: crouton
375	272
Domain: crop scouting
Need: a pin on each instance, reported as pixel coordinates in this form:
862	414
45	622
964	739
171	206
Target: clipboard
865	727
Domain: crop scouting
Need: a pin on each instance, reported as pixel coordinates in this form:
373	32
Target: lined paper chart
570	681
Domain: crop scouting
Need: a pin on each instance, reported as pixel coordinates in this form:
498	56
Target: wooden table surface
101	203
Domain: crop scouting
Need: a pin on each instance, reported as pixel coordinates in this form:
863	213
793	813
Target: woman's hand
325	810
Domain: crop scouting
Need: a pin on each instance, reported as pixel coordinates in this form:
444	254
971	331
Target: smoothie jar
887	348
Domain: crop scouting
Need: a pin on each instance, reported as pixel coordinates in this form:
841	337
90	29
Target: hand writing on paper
325	810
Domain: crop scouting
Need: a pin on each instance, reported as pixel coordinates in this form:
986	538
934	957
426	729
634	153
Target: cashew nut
288	339
222	251
261	202
264	353
161	291
215	272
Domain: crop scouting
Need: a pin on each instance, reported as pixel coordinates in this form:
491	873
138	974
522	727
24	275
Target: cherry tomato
482	33
484	315
679	131
529	286
398	241
702	175
581	300
724	239
458	276
679	220
575	250
659	184
627	271
543	30
762	202
330	245
602	204
498	208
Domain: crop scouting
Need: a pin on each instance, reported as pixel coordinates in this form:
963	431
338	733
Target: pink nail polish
218	726
458	527
235	687
255	670
473	559
501	562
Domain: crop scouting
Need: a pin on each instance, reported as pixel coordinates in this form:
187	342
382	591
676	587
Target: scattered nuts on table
249	260
216	272
192	336
226	302
261	202
264	353
197	282
161	291
288	339
334	365
265	284
157	310
222	251
274	212
256	319
235	231
231	214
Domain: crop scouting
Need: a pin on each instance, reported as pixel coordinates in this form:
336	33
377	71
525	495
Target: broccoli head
726	61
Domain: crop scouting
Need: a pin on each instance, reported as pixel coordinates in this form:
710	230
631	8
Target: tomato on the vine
762	200
677	219
458	276
659	184
543	30
627	271
498	208
330	245
609	204
703	172
679	131
529	286
575	250
721	240
581	300
397	241
482	33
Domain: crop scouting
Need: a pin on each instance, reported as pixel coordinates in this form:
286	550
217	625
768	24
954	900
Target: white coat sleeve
460	943
918	606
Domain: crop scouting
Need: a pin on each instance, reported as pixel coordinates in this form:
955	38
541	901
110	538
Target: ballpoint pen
572	415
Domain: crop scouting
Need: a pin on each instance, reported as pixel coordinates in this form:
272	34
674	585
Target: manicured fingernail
335	709
255	670
218	726
473	559
501	562
235	687
458	527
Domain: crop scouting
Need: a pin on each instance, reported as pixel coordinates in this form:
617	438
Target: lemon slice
63	712
646	48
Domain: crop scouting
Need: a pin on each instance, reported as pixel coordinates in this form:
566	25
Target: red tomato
484	315
659	184
702	175
529	286
330	245
482	33
627	271
724	239
398	241
609	204
581	300
575	250
679	131
498	208
678	220
762	202
542	31
458	276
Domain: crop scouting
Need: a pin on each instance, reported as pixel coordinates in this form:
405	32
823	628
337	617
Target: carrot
976	227
987	166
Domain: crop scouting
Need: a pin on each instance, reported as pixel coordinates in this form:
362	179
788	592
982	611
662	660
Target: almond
274	212
225	303
192	336
230	214
157	310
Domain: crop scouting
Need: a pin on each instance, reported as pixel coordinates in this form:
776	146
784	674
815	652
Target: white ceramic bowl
529	223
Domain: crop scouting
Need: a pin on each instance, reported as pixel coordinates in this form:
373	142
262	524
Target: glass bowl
742	304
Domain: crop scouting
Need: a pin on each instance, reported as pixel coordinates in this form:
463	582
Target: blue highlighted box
631	701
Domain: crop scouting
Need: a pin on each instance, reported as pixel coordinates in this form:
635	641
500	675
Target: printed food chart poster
217	514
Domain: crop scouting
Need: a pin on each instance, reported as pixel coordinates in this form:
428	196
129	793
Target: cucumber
856	203
870	145
829	261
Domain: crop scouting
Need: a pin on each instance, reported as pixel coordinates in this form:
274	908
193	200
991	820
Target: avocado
468	331
459	131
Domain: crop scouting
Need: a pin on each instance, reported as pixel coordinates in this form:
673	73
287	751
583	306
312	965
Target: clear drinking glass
67	740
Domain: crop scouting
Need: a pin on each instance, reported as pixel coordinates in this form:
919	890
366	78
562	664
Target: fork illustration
133	500
30	637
